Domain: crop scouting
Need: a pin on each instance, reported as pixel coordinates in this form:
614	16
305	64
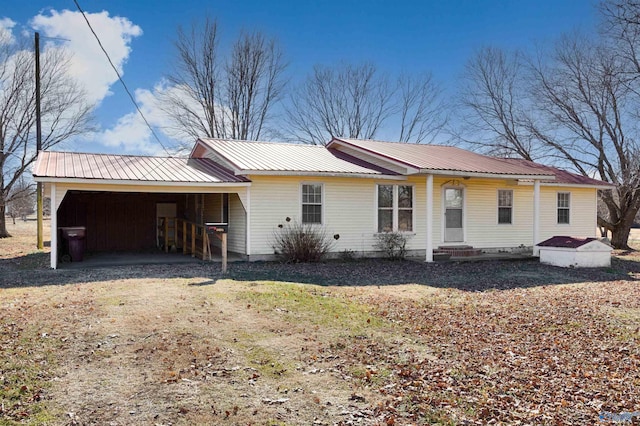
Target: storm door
453	215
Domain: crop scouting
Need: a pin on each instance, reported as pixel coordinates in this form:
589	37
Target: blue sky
410	36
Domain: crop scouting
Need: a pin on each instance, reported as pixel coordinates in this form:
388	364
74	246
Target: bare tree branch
65	113
576	104
218	97
356	101
495	106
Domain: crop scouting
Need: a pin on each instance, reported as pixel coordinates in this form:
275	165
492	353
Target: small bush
296	242
393	244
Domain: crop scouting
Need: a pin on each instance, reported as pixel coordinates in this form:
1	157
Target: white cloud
6	31
89	64
132	134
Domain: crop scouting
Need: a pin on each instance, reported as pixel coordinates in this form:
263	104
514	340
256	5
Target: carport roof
72	165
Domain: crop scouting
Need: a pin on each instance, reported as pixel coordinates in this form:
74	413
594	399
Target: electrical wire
121	79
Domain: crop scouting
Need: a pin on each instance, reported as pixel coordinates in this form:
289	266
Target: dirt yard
354	343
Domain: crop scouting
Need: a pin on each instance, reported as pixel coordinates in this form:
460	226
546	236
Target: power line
120	78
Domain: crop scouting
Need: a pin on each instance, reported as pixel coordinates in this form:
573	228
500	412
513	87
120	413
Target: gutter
46	179
485	175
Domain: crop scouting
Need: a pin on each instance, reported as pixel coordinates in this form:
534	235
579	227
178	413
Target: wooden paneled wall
116	221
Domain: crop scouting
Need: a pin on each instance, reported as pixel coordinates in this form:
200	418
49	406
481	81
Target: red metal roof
247	157
441	158
72	165
565	242
562	176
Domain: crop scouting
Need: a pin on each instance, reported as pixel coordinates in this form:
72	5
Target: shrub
393	244
296	242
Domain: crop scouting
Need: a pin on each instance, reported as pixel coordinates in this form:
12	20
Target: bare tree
423	112
494	108
64	111
22	200
574	107
585	93
254	83
355	101
223	97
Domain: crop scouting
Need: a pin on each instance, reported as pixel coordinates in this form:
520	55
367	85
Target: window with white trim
564	207
505	206
312	203
395	208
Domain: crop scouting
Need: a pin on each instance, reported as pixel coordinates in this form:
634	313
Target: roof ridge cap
263	142
104	154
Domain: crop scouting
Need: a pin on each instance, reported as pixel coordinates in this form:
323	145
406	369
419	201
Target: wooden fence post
224	253
204	244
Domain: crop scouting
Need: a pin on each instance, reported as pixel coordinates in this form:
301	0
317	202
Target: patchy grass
311	304
26	360
361	343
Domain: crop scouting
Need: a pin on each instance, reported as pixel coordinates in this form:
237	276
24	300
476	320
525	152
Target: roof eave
320	173
573	185
484	174
47	179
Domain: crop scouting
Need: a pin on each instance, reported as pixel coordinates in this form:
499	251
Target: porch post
54	227
429	218
536	216
248	224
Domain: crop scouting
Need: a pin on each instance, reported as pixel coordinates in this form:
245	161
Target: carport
126	203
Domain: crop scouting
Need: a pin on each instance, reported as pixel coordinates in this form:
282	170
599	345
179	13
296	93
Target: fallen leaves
519	356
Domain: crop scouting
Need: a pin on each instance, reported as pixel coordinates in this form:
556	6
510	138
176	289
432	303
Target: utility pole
39	143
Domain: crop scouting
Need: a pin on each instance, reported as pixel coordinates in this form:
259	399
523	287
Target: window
505	206
564	207
312	203
395	208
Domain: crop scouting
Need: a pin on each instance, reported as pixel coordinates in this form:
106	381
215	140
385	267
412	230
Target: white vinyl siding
350	210
236	240
583	219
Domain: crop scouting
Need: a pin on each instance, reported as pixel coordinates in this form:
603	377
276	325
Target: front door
453	215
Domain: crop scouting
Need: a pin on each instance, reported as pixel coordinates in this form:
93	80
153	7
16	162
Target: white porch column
54	227
536	216
248	223
429	218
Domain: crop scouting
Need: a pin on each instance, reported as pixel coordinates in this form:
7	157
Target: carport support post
54	227
429	218
536	216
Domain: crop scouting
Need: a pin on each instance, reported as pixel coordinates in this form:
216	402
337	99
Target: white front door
453	215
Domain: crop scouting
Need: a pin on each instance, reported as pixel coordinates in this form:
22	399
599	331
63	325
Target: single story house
437	195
